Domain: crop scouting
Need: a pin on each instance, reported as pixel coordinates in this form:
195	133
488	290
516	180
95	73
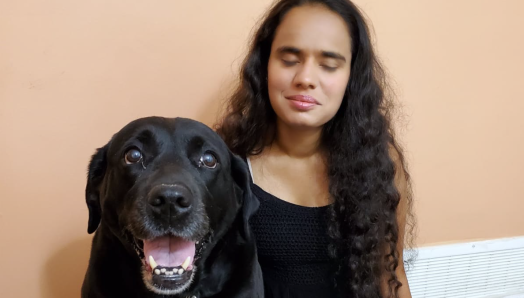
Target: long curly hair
362	159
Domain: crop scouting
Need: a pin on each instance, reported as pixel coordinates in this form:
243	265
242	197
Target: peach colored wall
74	72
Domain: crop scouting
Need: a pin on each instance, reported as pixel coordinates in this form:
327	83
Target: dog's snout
175	197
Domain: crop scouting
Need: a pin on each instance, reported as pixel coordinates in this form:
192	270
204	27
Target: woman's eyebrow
288	49
297	51
333	55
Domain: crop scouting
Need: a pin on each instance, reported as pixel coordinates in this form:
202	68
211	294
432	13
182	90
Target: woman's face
309	66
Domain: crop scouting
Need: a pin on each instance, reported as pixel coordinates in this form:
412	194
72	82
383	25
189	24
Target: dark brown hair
361	147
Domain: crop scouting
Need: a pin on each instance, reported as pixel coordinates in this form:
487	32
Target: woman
311	115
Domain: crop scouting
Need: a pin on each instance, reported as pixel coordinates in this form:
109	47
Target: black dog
170	205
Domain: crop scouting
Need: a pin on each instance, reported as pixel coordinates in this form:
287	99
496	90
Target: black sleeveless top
292	244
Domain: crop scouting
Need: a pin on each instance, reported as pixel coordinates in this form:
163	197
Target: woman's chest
297	184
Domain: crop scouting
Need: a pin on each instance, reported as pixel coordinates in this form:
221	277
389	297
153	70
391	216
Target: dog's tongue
169	251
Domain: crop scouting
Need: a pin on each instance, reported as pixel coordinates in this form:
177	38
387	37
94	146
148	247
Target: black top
292	244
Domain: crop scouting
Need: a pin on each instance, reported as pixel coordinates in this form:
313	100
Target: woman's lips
303	98
302	102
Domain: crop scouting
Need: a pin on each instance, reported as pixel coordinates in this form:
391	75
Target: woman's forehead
313	28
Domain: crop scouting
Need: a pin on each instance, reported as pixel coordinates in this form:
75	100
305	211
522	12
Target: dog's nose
176	196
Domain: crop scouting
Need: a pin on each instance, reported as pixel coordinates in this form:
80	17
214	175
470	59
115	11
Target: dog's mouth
169	262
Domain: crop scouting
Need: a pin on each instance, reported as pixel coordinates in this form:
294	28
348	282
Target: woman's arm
402	208
403	291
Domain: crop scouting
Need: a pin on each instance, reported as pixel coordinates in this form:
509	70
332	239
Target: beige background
73	72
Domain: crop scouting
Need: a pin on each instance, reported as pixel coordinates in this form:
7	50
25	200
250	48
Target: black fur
117	196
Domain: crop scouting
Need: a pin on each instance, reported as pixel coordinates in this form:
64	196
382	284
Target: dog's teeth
157	271
163	270
197	242
169	273
152	263
180	271
186	263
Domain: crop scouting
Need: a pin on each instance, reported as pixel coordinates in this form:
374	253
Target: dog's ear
240	173
95	175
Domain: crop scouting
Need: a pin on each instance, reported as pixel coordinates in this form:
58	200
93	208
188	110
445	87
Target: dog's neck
231	264
116	268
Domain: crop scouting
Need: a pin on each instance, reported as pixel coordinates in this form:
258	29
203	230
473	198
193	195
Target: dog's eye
208	160
133	156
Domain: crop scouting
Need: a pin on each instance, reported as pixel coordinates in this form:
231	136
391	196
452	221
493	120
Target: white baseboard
482	269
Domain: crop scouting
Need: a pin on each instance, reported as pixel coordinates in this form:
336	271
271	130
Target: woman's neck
297	142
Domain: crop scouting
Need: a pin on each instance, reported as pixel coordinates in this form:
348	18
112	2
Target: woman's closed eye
330	64
289	62
329	67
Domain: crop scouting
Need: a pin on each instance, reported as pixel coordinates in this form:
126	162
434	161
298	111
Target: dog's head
168	189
